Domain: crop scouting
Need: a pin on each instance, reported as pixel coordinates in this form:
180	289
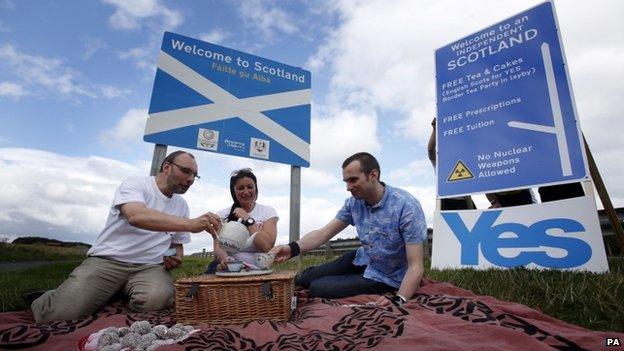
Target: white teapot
234	236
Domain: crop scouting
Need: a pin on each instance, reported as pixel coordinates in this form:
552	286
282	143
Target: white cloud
411	127
110	92
41	74
44	193
266	17
397	80
395	39
143	56
381	58
131	15
47	73
11	90
324	54
415	169
91	46
68	198
150	14
345	133
215	36
128	130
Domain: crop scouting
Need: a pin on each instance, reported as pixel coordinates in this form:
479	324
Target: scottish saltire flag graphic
209	97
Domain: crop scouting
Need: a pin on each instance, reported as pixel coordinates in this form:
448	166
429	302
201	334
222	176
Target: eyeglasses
186	171
239	171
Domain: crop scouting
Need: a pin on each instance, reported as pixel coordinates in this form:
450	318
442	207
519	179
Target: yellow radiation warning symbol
460	172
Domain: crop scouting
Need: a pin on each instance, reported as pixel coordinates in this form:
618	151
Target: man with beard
391	227
148	217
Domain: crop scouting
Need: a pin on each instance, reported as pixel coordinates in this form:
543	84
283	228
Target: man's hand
209	222
220	254
171	262
495	204
493	199
282	253
382	301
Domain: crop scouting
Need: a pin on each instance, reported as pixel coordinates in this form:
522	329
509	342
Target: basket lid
212	278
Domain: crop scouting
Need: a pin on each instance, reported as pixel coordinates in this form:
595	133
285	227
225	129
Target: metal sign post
295	203
160	152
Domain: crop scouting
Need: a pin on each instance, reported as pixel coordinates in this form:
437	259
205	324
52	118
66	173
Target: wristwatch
249	222
397	300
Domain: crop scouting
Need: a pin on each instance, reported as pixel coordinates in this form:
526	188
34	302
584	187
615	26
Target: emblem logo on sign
259	148
207	139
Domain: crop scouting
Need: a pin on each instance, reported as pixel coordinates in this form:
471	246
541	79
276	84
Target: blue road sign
506	116
212	98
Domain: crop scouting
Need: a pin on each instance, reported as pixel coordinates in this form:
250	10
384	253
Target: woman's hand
240	213
222	266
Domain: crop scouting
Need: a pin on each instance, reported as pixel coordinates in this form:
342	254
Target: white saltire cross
559	129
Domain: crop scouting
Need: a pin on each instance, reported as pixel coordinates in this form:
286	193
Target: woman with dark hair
260	220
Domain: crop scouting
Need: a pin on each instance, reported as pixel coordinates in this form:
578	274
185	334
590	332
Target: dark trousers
457	203
339	278
560	192
514	198
212	267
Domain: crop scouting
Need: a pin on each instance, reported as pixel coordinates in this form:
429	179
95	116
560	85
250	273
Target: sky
76	79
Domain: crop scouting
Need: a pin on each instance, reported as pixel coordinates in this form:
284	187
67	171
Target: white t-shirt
120	241
260	214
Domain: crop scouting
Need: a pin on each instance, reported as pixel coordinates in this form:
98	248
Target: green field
39	252
594	301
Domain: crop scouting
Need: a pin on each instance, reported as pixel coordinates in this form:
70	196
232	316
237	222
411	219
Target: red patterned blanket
440	317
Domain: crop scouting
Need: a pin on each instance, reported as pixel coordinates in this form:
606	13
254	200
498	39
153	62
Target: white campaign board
561	234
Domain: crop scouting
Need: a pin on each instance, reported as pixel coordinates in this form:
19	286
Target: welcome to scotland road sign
212	98
506	116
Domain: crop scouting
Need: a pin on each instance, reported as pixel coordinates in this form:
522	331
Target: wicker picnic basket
216	300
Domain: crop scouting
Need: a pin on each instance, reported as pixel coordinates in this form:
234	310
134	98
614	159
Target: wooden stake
604	198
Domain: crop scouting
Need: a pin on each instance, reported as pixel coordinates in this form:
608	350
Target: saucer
244	273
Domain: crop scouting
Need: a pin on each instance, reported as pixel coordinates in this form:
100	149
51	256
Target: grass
594	301
23	252
14	283
195	266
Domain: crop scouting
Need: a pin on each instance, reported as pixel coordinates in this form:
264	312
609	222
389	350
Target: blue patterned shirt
384	229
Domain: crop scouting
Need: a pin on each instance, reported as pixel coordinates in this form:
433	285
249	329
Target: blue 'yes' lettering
488	236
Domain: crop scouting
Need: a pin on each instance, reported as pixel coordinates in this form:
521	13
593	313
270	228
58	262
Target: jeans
339	278
212	267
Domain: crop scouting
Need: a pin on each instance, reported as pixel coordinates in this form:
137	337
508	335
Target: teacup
265	260
234	266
